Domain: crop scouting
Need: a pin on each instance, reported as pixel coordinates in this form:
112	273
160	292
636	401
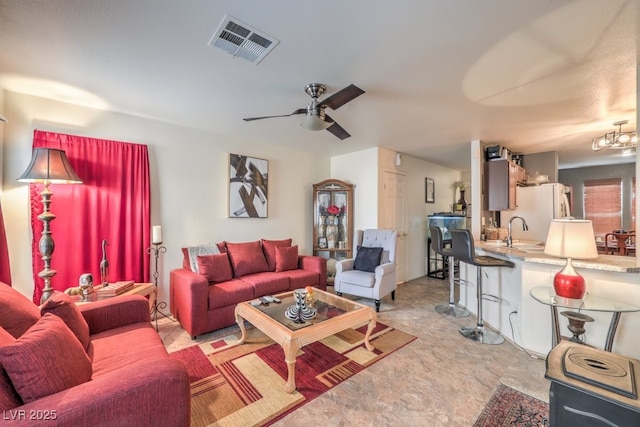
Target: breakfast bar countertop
526	321
530	251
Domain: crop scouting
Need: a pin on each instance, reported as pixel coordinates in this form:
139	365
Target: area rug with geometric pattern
509	407
243	385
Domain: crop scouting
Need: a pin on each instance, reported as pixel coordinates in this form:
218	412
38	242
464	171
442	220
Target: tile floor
440	379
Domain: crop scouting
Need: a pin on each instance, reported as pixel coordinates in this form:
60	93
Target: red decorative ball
569	286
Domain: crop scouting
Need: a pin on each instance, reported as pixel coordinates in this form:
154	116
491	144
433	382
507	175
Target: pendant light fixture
617	139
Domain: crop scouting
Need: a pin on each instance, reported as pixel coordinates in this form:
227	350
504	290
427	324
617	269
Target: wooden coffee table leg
240	322
290	352
372	324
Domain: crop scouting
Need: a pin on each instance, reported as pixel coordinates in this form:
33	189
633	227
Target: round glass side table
546	295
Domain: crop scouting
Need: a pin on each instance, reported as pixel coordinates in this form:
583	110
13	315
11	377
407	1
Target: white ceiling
535	75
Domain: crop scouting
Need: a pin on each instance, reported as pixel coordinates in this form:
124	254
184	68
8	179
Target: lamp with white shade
570	239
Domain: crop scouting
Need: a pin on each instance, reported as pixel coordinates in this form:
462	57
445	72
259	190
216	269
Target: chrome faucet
525	227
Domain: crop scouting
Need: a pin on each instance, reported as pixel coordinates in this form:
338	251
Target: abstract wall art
248	184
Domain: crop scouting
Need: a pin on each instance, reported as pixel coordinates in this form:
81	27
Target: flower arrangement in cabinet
332	225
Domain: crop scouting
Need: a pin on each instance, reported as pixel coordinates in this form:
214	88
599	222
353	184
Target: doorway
394	216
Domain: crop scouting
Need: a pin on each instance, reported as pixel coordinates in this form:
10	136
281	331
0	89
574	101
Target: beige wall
364	169
2	125
189	171
361	169
189	175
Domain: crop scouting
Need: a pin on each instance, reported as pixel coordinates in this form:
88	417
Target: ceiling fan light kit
620	140
313	122
315	117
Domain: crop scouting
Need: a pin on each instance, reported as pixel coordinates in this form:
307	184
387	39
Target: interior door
395	217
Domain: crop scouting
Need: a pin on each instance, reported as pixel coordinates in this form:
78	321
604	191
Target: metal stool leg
451	310
479	333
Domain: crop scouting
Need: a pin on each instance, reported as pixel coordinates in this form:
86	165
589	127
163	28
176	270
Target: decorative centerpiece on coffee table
300	312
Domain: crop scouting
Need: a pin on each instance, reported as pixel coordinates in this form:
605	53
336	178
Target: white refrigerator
538	205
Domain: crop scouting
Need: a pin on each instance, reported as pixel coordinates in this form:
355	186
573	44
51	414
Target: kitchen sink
527	244
522	246
531	249
528	247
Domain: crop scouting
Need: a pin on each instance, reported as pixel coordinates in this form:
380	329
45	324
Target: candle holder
157	307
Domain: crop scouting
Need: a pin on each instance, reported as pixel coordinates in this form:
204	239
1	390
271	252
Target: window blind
603	204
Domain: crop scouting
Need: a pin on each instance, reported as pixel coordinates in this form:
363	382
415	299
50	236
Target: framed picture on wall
248	184
430	190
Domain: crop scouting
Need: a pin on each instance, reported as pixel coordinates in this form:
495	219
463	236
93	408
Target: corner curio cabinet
332	222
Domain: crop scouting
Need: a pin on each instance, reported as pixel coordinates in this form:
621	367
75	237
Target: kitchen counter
531	251
525	321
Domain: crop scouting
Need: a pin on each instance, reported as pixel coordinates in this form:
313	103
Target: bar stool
437	244
464	250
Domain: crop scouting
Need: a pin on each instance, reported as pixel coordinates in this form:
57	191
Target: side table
546	295
144	289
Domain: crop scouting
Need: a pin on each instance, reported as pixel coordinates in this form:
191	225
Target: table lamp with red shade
570	239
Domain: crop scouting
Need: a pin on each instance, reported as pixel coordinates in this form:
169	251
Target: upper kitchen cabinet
501	178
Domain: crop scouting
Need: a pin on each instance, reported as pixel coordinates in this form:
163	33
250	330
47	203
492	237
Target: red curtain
112	203
5	269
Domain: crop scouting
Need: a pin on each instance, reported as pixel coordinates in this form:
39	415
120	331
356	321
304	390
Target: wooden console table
144	289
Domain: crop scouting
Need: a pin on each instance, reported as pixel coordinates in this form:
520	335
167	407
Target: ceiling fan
315	117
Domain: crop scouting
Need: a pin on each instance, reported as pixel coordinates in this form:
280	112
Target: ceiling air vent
240	39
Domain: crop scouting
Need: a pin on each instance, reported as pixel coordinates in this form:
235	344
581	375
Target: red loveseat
100	363
204	301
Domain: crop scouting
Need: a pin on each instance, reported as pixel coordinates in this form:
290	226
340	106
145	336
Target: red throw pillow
17	312
9	398
286	258
186	263
62	305
215	268
246	258
269	249
46	359
194	251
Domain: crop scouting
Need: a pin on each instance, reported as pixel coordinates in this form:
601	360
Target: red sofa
100	363
205	301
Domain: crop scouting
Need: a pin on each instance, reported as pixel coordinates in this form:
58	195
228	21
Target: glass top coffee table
334	314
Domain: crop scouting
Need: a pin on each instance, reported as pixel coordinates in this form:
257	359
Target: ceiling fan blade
336	129
343	96
298	111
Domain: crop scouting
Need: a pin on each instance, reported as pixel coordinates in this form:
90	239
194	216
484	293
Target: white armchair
364	276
